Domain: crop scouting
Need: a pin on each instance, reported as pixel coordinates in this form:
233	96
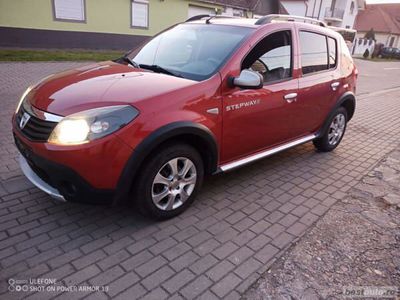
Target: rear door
317	83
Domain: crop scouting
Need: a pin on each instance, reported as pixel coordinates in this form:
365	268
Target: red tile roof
262	7
246	4
384	18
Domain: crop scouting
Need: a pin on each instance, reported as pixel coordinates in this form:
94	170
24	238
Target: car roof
269	20
229	21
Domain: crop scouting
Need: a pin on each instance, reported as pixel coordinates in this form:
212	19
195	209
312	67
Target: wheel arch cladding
348	102
194	134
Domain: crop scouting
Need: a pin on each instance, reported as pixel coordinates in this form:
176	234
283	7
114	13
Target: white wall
383	38
317	8
359	49
195	10
348	18
297	8
229	11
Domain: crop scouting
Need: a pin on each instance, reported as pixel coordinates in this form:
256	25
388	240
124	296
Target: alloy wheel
174	183
336	129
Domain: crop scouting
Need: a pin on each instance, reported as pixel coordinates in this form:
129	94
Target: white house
384	19
339	13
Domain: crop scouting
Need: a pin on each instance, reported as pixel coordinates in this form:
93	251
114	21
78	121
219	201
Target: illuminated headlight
92	124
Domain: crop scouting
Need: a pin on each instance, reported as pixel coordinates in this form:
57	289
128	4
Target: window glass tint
195	51
332	52
314	52
271	57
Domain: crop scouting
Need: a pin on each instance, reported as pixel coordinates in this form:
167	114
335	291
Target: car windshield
193	51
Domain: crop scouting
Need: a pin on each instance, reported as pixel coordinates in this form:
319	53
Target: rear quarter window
332	48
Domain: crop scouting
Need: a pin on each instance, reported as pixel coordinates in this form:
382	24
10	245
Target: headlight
91	124
21	100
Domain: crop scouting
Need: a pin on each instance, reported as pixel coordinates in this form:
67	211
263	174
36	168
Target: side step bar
266	153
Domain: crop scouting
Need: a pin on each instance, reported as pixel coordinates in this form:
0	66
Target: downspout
319	12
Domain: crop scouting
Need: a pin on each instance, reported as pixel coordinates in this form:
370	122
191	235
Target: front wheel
169	181
335	132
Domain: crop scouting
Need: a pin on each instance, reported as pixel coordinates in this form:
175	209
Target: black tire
144	188
323	143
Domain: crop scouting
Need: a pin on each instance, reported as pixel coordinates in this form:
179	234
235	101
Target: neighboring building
339	13
384	19
106	24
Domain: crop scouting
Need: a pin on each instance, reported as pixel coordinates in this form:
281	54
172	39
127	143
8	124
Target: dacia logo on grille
25	118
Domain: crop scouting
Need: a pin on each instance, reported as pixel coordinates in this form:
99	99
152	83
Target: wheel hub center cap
174	185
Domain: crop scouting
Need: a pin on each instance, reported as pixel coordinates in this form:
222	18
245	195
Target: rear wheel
169	181
335	132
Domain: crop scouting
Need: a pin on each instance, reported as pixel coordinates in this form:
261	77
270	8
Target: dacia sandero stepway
204	96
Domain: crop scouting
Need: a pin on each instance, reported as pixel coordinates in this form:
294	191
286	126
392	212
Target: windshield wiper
130	61
159	69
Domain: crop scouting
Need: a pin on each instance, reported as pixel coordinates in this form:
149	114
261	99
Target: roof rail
269	18
199	17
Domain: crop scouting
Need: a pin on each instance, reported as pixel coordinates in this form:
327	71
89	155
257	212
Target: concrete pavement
239	225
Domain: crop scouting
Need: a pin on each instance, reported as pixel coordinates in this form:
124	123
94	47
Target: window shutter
140	10
69	9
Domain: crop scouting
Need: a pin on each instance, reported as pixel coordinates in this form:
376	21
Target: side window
332	52
314	52
272	57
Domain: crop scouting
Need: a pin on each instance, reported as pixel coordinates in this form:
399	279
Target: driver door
258	119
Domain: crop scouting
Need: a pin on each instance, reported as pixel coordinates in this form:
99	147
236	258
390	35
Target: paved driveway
240	223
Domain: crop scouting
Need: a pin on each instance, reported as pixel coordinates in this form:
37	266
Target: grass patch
57	55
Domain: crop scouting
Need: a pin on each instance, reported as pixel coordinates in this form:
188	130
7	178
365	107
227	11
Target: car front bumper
87	174
37	181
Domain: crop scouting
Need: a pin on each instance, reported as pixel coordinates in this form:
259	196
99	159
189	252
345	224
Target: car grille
36	130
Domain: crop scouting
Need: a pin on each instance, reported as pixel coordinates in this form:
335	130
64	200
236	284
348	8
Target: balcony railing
335	13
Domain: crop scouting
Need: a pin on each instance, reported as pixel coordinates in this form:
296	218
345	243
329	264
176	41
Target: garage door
198	10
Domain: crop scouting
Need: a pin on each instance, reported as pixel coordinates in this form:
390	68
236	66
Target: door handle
335	85
290	97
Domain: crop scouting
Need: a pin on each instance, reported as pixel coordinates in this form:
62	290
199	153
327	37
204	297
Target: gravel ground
357	243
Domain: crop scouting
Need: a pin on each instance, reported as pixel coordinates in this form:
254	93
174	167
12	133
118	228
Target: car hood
100	84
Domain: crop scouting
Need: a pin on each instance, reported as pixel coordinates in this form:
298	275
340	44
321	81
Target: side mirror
247	80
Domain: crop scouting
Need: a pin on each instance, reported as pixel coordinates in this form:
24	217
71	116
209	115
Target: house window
352	7
238	13
69	10
140	13
391	43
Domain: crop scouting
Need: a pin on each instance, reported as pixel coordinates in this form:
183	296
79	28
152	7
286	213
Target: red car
205	96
